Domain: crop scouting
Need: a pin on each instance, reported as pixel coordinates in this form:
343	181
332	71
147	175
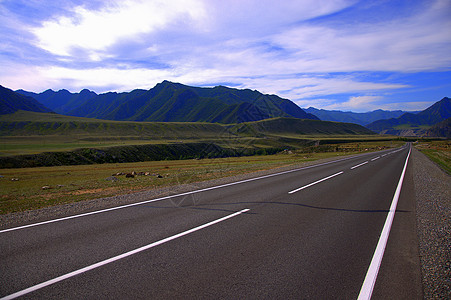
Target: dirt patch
101	191
46	197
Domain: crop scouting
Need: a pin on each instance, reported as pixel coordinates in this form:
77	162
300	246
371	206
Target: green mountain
11	102
412	123
441	129
175	102
352	117
62	101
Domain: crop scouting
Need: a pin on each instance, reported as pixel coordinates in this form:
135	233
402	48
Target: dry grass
68	184
438	151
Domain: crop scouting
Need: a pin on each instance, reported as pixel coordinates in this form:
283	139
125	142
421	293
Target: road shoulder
433	209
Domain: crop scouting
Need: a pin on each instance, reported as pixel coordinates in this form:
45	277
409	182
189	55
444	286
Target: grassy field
68	184
76	183
438	151
408	126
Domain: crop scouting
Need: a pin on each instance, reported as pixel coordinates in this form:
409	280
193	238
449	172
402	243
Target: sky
330	54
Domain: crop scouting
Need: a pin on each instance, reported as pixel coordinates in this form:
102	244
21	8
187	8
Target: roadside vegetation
439	151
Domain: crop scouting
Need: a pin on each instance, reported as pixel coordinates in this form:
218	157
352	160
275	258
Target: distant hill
293	126
62	101
175	102
128	141
352	117
441	129
414	124
11	102
23	123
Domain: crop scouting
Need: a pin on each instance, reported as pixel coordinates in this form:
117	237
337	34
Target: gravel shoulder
433	198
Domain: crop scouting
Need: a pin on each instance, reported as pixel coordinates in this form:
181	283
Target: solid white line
371	275
313	183
376	158
359	165
115	258
173	196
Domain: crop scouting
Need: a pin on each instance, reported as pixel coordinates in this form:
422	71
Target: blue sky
331	54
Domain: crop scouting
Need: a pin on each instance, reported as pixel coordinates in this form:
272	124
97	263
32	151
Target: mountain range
173	102
11	102
353	117
396	122
62	101
414	124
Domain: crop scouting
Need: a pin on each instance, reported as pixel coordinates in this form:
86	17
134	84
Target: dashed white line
370	278
118	257
376	158
313	183
359	165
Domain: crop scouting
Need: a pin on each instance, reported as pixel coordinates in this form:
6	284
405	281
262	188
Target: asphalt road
309	233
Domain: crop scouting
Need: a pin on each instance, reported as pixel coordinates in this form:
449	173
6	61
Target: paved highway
311	233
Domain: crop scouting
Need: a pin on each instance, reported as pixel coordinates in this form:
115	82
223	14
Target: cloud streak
97	30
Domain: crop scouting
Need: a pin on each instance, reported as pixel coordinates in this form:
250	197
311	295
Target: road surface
310	233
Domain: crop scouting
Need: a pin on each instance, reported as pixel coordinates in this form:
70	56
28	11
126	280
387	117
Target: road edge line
370	279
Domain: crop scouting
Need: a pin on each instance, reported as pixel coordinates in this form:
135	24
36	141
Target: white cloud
407	106
364	104
415	44
20	76
252	38
104	79
97	30
358	103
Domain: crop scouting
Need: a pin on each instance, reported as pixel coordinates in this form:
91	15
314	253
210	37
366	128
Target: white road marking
313	183
172	196
359	165
118	257
394	151
371	276
376	158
